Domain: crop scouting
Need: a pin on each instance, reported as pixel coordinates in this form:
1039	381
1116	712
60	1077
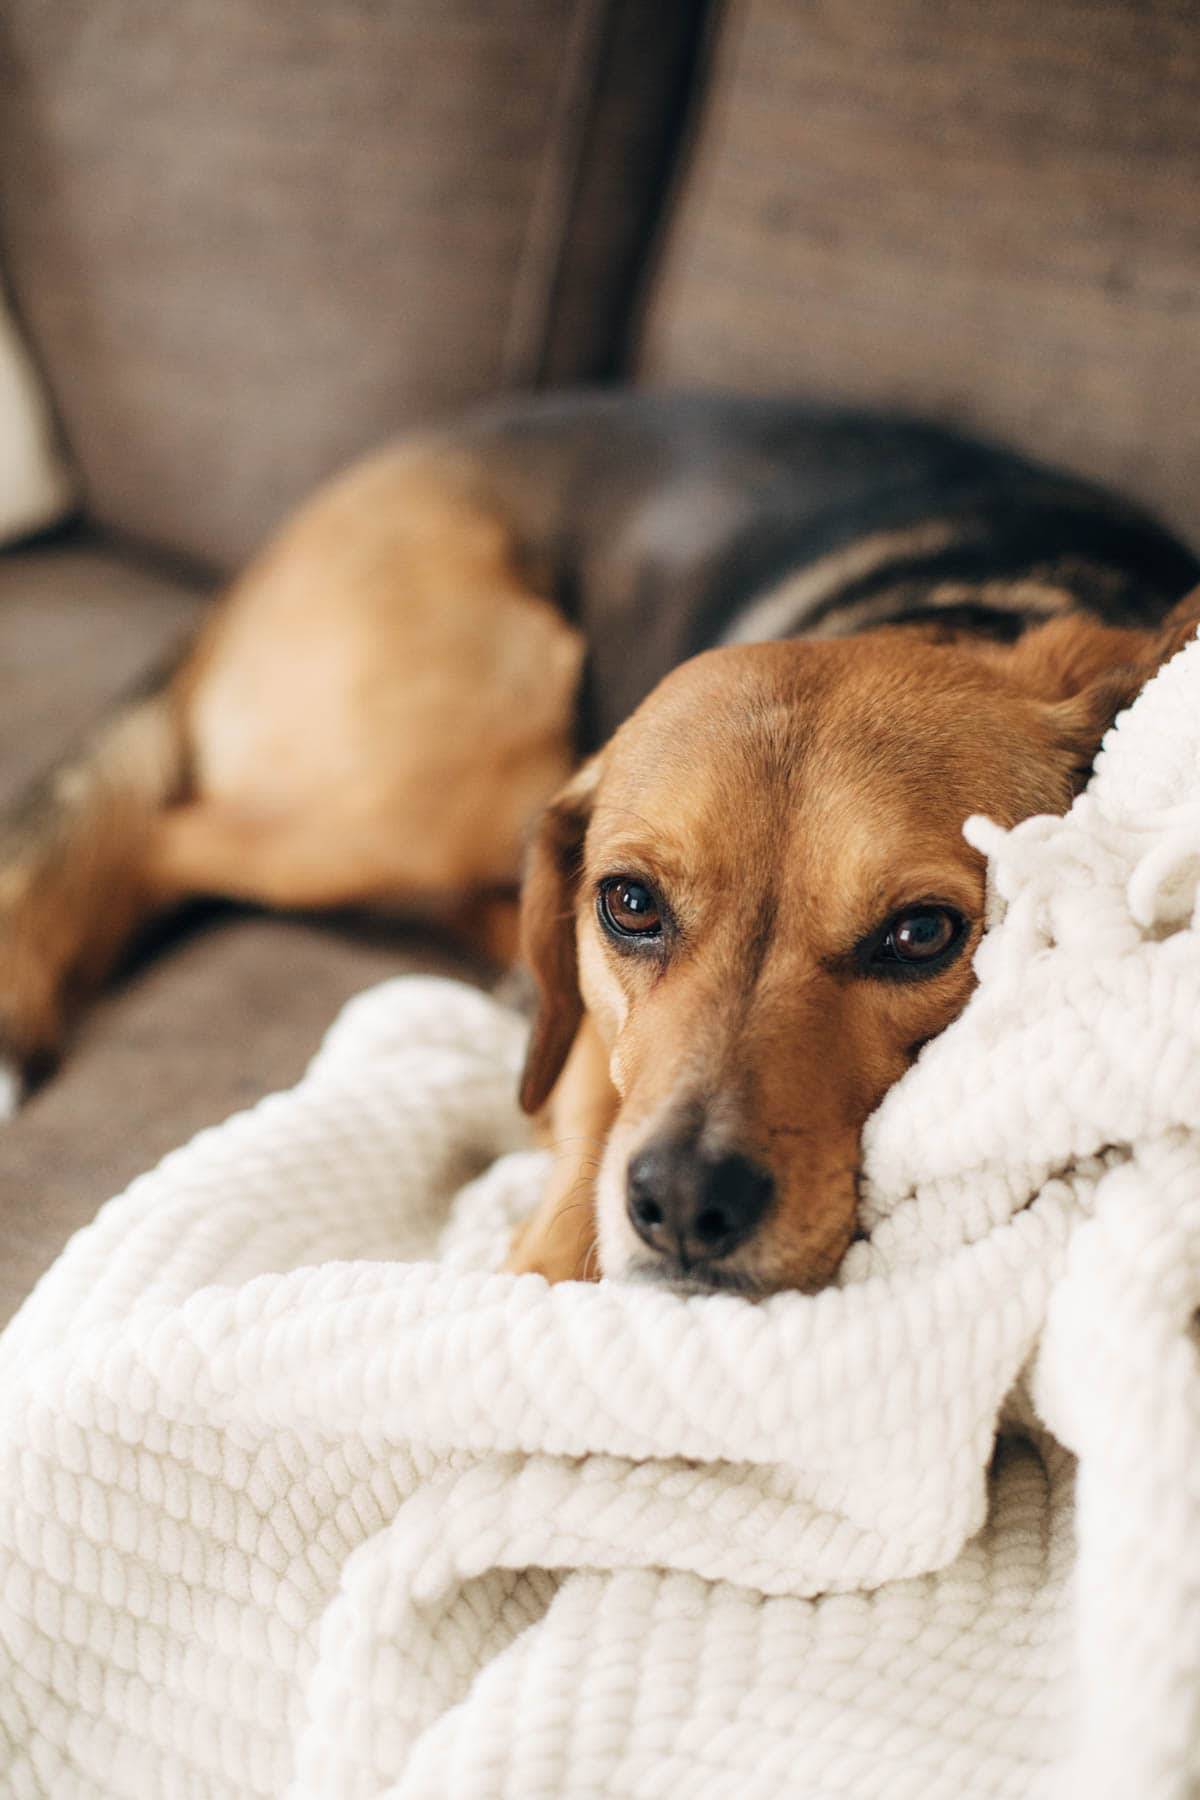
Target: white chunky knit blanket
297	1498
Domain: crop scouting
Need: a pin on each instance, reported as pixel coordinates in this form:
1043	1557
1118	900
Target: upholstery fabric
80	625
988	214
251	241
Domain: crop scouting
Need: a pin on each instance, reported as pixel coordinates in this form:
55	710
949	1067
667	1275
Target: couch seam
543	253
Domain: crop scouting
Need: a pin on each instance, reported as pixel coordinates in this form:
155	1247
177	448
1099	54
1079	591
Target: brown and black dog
751	664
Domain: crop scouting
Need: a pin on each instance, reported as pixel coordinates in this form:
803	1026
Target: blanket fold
299	1497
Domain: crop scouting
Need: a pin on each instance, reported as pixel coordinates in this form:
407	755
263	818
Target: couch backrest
249	239
986	212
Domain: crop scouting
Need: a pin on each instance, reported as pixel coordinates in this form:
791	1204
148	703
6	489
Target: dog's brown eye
629	908
919	938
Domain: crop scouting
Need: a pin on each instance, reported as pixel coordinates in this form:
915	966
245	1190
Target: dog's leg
559	1239
381	709
204	847
212	847
74	881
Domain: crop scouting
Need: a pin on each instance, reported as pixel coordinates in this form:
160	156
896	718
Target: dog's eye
629	908
918	940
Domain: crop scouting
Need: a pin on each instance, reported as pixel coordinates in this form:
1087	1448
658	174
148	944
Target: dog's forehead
798	720
844	764
718	710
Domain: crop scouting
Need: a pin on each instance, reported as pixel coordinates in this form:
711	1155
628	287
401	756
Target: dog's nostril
648	1196
711	1224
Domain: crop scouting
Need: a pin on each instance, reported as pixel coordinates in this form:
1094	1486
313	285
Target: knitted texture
297	1497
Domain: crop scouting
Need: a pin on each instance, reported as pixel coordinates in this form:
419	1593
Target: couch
247	240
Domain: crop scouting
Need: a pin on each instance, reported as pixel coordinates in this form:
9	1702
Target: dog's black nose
699	1207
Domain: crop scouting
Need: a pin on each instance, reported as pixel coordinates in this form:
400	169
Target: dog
744	667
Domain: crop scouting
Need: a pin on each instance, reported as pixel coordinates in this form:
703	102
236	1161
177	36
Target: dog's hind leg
74	882
380	709
210	847
205	847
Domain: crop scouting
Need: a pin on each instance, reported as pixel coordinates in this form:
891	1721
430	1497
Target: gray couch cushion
249	241
80	625
987	213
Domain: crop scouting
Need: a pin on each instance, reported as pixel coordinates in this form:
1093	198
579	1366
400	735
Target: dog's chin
680	1278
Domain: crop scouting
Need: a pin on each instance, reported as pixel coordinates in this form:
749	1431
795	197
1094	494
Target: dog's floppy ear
548	932
1177	629
1088	672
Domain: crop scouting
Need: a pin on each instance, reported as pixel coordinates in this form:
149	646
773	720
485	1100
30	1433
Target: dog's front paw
565	1254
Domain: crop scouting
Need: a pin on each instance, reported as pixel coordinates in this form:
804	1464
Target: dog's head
761	893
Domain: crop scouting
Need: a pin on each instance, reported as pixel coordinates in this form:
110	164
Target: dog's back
665	523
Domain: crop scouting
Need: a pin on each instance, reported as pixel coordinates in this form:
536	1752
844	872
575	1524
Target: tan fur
73	882
373	715
381	706
559	1239
786	799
